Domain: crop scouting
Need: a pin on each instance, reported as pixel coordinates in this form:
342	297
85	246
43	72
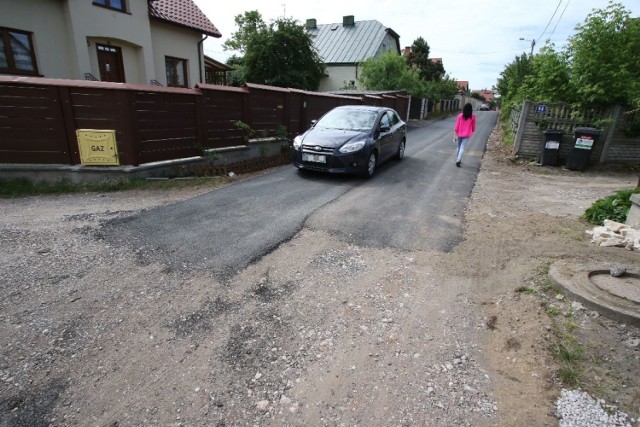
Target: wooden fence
619	142
39	117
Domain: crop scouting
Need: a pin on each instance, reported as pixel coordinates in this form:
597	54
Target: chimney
311	24
348	21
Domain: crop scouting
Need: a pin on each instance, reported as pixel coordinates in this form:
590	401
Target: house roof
184	13
209	62
348	44
486	94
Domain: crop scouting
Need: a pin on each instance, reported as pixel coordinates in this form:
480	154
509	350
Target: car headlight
297	143
351	147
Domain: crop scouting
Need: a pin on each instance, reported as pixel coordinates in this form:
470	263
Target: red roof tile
184	13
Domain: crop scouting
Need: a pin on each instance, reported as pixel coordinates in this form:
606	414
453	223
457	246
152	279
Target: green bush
614	207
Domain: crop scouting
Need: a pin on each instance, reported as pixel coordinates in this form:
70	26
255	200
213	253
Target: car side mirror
384	128
313	123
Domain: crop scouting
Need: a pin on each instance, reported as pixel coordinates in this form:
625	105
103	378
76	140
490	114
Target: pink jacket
465	128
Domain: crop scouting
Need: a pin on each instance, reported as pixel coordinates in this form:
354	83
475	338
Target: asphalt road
417	203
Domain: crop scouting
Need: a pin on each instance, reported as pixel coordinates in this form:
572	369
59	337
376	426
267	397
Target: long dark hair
467	110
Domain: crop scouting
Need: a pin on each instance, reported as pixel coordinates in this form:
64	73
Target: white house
132	41
344	46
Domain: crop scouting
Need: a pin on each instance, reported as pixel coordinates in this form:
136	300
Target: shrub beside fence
39	117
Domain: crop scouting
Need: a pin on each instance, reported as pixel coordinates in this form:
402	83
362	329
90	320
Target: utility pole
533	43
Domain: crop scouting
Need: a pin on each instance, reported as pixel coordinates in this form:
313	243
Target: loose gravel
96	334
577	409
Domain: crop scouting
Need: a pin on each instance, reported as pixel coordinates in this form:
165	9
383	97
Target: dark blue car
351	139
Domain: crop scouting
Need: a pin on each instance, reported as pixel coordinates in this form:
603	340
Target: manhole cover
626	286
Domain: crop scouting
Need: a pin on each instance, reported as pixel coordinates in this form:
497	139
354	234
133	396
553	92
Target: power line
560	19
550	20
473	53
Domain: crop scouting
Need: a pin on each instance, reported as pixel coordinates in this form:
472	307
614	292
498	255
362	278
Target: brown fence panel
267	105
318	104
223	106
388	101
166	126
31	125
39	117
402	106
372	100
102	109
295	114
416	112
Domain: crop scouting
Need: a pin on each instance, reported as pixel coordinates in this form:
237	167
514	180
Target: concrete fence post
615	116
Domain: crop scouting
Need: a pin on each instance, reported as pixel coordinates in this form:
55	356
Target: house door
110	63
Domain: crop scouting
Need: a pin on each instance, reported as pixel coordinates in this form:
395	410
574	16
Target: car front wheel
371	165
400	152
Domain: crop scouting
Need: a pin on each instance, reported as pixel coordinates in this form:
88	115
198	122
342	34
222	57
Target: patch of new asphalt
595	287
227	229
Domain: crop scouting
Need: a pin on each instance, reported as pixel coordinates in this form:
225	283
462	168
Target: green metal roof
348	44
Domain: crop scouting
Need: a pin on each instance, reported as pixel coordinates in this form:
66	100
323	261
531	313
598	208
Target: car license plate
317	158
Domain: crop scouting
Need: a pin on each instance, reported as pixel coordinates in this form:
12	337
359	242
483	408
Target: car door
385	139
397	129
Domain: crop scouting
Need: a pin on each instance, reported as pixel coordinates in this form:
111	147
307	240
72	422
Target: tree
549	78
419	59
236	77
249	24
446	88
512	78
390	72
605	57
282	54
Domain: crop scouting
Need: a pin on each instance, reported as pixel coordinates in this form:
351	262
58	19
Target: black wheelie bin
580	153
550	147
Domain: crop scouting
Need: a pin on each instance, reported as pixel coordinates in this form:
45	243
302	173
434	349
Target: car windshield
348	120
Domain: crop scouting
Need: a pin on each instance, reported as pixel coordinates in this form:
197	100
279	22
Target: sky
476	39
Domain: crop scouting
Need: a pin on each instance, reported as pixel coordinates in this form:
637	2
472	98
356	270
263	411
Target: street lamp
533	43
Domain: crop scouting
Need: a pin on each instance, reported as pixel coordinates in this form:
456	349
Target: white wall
169	40
387	43
65	34
54	55
338	75
130	31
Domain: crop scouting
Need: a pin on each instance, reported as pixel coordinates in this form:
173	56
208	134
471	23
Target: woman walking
463	130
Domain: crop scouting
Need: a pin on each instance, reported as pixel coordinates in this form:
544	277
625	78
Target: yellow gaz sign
98	147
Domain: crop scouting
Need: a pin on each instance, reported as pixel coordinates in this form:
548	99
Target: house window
176	72
16	52
111	4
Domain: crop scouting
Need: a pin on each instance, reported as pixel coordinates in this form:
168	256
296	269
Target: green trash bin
580	153
550	147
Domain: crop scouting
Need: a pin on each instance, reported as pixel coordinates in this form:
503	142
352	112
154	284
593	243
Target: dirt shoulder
94	334
523	217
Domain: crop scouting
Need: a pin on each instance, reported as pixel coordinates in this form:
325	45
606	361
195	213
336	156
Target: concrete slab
617	298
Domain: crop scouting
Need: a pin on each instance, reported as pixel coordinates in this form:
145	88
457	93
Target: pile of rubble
613	233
